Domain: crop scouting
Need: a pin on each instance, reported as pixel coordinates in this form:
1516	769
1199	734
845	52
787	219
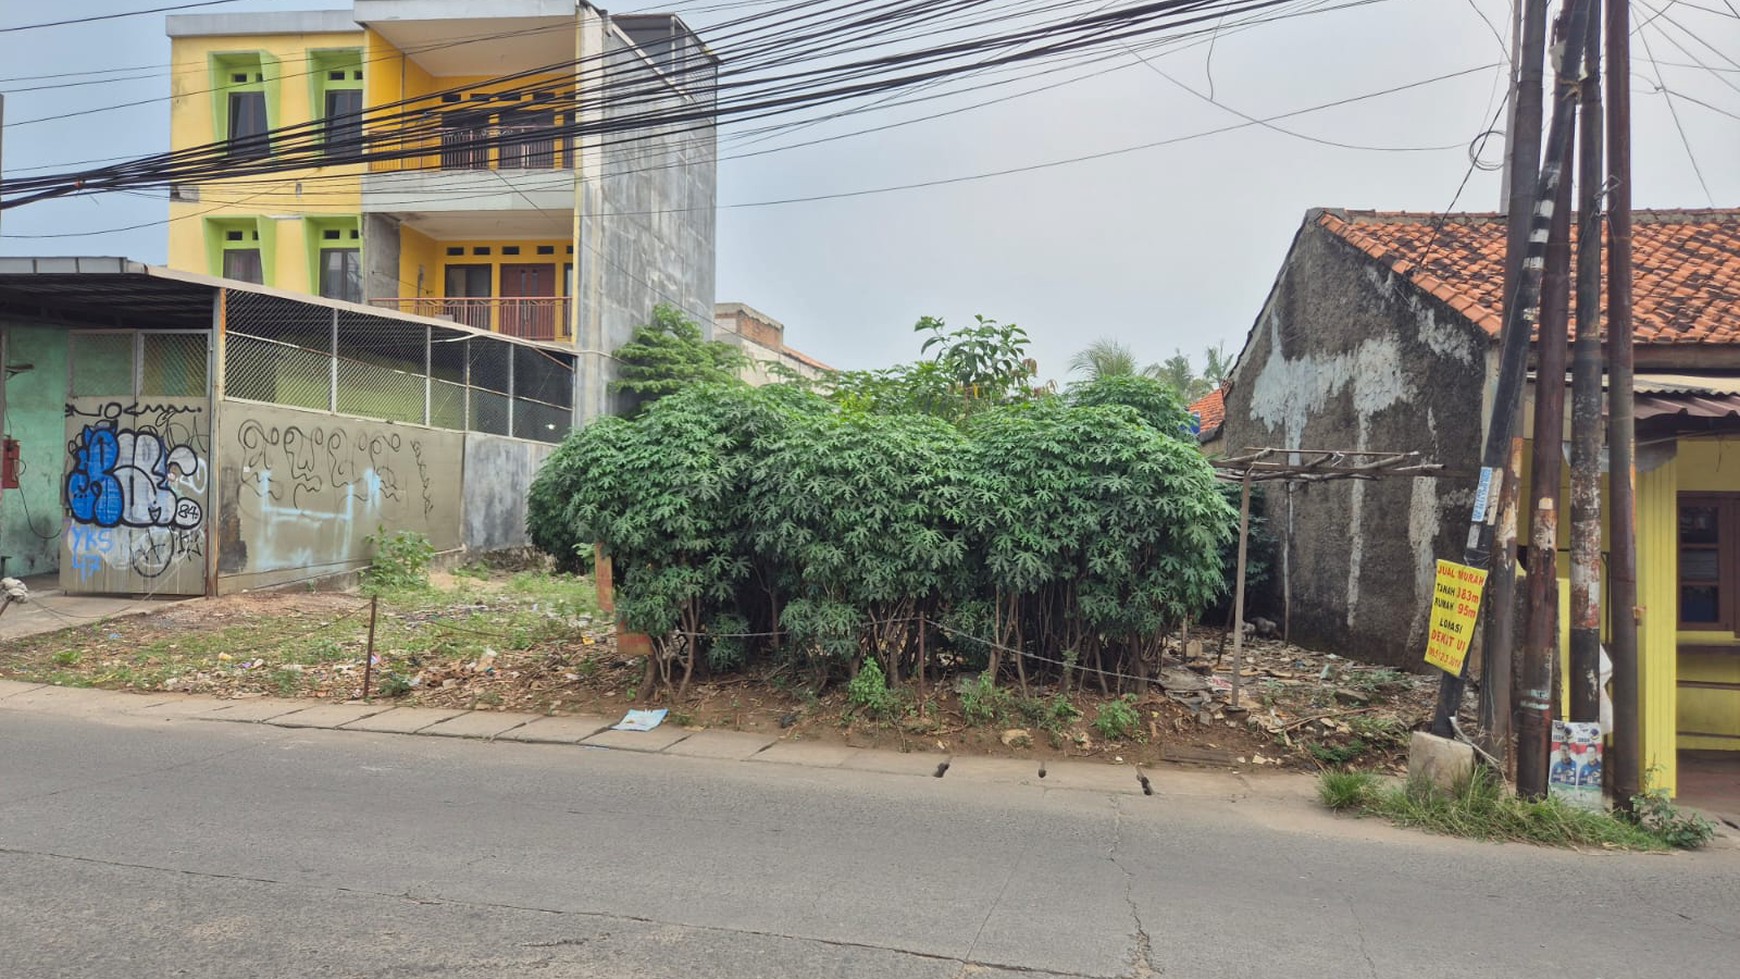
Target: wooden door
533	316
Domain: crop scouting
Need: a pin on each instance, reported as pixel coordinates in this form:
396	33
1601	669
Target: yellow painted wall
1700	466
193	114
1709	465
419	263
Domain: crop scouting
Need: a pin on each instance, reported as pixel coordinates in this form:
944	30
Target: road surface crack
1142	952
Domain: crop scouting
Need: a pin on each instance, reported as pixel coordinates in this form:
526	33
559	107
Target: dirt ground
535	642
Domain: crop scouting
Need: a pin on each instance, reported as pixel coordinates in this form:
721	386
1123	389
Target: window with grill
1708	582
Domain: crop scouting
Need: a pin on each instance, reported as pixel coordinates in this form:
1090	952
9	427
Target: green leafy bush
983	702
400	563
1118	720
1656	814
868	692
669	355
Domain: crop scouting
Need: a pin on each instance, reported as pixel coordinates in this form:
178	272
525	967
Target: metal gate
138	464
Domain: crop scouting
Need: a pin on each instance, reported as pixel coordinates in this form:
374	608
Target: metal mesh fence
172	365
307	355
102	364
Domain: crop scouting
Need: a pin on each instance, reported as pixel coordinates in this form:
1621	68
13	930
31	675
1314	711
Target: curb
585	731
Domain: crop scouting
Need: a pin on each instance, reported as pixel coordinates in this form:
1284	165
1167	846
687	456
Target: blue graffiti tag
92	491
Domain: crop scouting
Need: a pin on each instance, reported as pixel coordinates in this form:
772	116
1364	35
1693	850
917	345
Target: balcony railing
526	317
479	147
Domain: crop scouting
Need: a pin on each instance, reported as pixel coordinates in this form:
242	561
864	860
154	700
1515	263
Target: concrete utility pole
1586	403
1625	767
1519	321
1541	648
1522	171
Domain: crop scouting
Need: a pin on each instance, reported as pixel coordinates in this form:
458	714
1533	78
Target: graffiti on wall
135	488
316	491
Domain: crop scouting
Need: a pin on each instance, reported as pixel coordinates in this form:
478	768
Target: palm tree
1104	357
1216	365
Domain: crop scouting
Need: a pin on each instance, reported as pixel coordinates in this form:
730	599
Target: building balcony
485	146
526	317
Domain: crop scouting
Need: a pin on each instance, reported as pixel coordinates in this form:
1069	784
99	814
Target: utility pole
1520	318
1586	402
1625	767
1522	171
1541	645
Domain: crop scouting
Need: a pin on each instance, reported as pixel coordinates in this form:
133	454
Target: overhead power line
114	16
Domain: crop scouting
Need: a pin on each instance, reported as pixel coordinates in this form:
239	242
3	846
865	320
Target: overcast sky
1163	248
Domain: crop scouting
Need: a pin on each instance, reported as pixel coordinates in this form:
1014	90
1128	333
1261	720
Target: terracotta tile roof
1210	410
1687	286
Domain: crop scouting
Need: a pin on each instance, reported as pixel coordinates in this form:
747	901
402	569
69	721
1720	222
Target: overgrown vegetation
400	562
668	355
1483	809
1009	520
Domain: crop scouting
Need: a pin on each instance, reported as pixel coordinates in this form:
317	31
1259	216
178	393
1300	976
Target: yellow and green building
483	194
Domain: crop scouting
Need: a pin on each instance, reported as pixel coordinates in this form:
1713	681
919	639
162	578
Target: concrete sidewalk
52	610
594	733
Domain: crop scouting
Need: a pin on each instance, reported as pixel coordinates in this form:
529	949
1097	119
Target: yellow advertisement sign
1455	606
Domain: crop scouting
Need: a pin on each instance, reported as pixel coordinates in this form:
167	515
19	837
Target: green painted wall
30	517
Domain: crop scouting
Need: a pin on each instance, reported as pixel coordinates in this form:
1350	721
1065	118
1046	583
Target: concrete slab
815	754
403	720
1006	771
1441	761
728	745
1093	777
10	687
182	705
658	739
329	715
254	711
895	762
55	611
479	724
67	698
566	729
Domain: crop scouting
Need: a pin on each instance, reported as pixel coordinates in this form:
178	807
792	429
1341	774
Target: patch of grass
286	682
68	657
1337	754
1118	720
1484	809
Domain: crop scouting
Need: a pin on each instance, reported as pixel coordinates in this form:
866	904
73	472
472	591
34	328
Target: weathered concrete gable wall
1345	355
300	491
31	516
498	477
657	199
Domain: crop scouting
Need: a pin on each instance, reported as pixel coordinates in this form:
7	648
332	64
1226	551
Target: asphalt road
135	847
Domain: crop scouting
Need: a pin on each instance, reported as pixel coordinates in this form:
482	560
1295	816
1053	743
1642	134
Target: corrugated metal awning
1650	407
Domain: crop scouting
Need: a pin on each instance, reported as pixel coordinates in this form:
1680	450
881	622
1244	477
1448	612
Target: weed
394	684
1337	754
983	702
1378	729
476	570
490	698
287	682
1117	720
401	561
1655	814
1482	808
323	649
68	657
869	692
1050	715
1369	680
1346	790
681	719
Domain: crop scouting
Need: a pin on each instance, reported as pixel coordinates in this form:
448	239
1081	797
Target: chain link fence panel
173	365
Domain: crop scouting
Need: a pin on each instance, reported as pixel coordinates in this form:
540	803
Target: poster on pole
1575	772
1455	605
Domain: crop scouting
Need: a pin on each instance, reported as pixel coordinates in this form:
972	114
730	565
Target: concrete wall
32	410
647	220
498	477
1347	355
300	491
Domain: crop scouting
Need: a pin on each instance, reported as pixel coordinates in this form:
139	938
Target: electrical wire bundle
785	62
